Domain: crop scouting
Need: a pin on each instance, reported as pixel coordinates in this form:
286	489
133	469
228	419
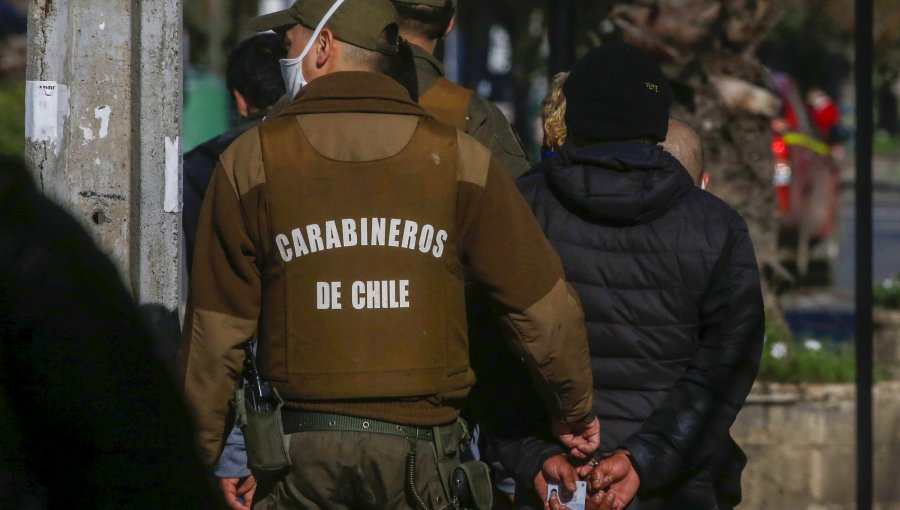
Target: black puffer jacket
670	288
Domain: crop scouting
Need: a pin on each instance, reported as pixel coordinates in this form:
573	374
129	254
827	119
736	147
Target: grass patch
884	144
12	119
887	294
790	359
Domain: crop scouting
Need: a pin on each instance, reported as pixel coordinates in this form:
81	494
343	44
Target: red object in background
806	181
782	177
779	149
806	177
790	116
825	114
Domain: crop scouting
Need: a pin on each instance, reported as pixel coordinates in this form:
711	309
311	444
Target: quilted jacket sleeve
682	433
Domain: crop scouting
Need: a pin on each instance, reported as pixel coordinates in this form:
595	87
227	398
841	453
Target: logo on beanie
652	87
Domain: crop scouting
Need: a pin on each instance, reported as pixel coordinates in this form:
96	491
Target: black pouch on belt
268	448
470	486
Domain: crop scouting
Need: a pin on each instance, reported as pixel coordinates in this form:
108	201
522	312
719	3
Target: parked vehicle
806	178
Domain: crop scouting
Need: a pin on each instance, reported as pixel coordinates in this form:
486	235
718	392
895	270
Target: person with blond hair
553	115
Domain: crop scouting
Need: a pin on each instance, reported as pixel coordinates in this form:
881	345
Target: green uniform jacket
267	251
485	122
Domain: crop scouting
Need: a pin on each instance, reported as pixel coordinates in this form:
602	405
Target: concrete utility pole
103	129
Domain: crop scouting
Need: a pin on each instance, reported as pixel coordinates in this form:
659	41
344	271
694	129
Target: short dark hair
424	20
254	70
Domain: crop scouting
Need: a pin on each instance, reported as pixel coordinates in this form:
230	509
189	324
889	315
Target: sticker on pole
172	199
42	110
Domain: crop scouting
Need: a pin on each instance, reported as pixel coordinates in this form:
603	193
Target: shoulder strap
437	129
447	102
277	137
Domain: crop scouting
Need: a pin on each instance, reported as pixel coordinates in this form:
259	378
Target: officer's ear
324	47
240	102
450	26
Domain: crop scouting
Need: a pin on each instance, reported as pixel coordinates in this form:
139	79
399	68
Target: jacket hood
623	183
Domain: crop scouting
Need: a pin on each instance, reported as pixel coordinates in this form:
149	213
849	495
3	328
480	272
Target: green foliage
785	359
829	364
12	119
887	293
886	145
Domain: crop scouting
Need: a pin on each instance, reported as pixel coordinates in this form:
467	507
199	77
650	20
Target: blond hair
553	112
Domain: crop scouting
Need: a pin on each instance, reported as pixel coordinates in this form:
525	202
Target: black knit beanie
617	92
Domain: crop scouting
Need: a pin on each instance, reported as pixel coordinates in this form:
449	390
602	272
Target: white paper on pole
172	201
102	113
42	112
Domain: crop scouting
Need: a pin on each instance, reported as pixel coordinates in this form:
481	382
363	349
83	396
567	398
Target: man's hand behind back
236	489
582	439
559	471
556	470
615	475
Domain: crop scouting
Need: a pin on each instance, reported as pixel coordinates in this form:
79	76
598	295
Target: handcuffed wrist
627	453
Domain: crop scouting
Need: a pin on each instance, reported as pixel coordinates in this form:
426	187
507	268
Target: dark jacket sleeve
199	164
198	168
695	417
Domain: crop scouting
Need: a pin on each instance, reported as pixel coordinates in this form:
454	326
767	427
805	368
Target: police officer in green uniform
423	23
337	234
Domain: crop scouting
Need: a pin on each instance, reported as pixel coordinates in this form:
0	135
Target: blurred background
769	86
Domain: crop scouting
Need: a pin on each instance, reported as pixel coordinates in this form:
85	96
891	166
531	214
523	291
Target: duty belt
308	421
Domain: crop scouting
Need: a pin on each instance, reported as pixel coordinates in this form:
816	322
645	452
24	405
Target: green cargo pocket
268	448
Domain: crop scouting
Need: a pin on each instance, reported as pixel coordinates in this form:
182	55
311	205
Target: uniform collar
353	92
256	117
426	62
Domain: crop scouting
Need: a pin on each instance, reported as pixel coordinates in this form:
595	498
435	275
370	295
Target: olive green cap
358	22
429	3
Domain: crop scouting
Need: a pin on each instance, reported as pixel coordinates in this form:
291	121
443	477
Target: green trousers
361	470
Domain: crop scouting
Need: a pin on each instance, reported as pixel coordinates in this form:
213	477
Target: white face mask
291	69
